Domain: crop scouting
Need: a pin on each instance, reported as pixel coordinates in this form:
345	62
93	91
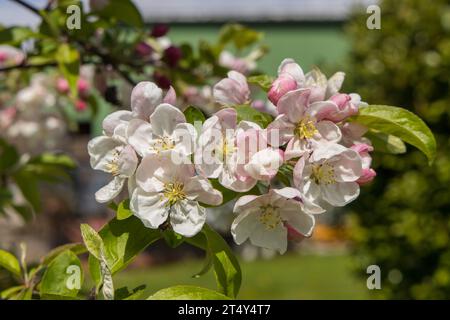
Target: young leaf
263	81
63	277
124	240
187	293
401	123
123	210
10	263
76	248
92	241
193	114
247	113
123	10
226	266
386	143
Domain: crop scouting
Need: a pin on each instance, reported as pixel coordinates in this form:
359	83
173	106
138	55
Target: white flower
216	155
166	132
112	155
302	125
233	90
329	174
266	219
166	190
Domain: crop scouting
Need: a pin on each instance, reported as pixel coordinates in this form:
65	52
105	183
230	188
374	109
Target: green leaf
247	113
123	210
63	276
263	81
28	185
124	294
187	293
193	114
52	159
172	238
123	10
386	143
227	194
7	293
239	35
401	123
226	266
10	263
69	64
8	156
92	241
16	35
124	240
76	248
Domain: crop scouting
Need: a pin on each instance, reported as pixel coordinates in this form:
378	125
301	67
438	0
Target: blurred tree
402	221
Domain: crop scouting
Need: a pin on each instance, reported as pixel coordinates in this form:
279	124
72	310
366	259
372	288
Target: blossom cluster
173	169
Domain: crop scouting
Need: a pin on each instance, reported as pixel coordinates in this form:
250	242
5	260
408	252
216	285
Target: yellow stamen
323	174
270	217
174	192
305	129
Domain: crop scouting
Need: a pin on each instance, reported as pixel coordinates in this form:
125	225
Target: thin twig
27	5
28	66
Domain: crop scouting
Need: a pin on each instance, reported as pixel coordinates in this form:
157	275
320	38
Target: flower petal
187	217
110	191
151	208
140	134
145	97
200	189
294	104
340	194
102	151
165	118
112	120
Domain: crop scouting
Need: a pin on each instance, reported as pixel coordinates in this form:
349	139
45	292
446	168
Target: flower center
173	191
223	151
270	217
323	174
305	129
113	165
164	143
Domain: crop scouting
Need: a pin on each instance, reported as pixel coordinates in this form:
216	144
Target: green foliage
219	255
10	263
247	113
400	123
69	64
187	293
263	81
402	220
56	280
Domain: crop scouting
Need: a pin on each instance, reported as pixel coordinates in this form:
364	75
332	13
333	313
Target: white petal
329	131
145	97
200	189
264	164
140	134
110	191
290	67
187	217
340	194
185	137
165	119
275	239
112	120
300	221
150	174
151	208
334	84
294	104
102	151
243	226
349	166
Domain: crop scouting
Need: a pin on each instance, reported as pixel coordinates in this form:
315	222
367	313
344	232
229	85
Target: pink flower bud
80	105
341	99
161	80
282	85
62	85
367	176
159	30
3	57
345	107
83	87
172	55
143	49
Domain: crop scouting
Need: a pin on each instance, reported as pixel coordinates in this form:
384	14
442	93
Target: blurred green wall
309	43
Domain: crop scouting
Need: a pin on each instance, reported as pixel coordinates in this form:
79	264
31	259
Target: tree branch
28	66
27	5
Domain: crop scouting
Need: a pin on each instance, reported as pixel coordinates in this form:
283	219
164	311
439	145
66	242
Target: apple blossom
166	132
290	77
329	175
113	156
233	90
368	174
265	219
302	125
216	155
173	192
